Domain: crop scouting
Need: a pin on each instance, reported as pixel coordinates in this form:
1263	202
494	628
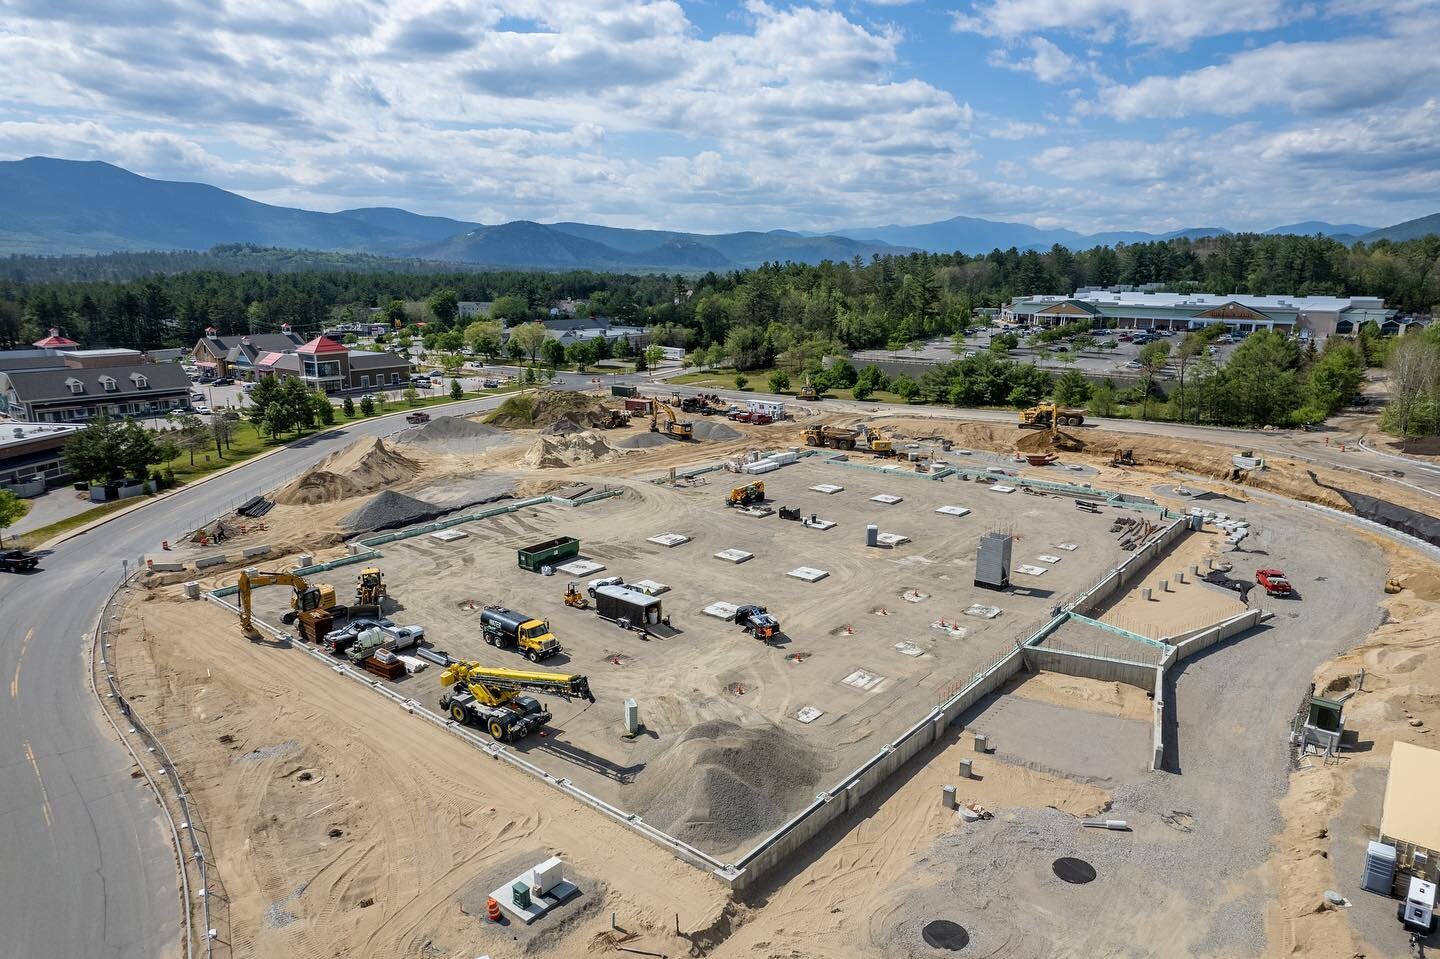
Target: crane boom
490	697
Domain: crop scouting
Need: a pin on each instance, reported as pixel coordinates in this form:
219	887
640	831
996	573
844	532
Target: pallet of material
391	670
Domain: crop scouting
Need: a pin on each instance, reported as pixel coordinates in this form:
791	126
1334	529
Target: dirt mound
722	784
564	426
1040	441
391	510
715	431
576	449
644	441
361	467
443	428
539	410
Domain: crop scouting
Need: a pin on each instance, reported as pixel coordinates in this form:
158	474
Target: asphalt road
85	868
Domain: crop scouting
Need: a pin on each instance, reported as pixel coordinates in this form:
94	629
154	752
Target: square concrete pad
909	649
861	679
827	488
1044	558
669	539
734	555
983	611
1068	547
725	611
1029	570
820	524
949	628
808	714
1001	488
449	535
808	573
539	905
953	510
580	567
887	499
891	539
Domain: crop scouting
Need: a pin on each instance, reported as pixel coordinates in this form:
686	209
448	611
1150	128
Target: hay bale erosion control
551	553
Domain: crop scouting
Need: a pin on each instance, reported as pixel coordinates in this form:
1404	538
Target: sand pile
1040	441
721	784
577	449
361	467
539	410
564	426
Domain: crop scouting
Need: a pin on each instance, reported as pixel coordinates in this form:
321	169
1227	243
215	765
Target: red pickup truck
1274	582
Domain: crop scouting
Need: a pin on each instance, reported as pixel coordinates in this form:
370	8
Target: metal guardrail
191	854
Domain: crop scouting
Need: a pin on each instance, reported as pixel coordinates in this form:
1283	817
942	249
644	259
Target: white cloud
1303	77
1047	62
1166	23
1015	130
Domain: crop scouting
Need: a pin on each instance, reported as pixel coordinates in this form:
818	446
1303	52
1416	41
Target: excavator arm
249	581
494	686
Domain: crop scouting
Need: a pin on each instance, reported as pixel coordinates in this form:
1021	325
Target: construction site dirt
427	823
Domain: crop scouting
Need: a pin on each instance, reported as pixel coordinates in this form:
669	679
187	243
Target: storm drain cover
1073	870
944	934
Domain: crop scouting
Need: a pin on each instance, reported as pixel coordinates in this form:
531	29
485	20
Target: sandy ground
319	796
1183	606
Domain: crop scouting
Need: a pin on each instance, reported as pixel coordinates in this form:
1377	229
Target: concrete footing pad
734	555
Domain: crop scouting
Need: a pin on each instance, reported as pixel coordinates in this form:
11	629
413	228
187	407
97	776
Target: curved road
87	870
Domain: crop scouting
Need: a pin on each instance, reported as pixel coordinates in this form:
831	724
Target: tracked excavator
318	597
490	697
663	420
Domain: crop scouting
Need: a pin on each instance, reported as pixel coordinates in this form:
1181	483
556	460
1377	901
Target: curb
78	531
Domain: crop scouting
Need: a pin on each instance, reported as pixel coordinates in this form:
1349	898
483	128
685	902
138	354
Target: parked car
491	384
224	381
201	410
1127	338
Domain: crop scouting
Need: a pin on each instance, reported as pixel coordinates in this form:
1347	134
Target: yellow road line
15	683
44	793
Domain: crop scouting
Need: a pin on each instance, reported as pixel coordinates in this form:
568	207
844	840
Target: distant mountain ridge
54	206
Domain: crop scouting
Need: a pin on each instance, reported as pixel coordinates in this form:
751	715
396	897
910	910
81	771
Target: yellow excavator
874	441
306	598
490	697
672	426
370	588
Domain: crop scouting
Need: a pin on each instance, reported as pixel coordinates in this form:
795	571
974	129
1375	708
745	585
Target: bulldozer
307	598
747	495
491	698
672	426
370	589
1049	416
574	598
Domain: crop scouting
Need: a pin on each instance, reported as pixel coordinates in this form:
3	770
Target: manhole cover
1073	870
944	934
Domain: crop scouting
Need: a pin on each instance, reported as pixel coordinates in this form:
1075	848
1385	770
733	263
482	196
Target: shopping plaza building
1127	309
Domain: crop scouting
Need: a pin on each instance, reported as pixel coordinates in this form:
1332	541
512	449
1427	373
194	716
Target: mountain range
54	206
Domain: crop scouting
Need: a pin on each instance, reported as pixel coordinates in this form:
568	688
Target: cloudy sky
711	115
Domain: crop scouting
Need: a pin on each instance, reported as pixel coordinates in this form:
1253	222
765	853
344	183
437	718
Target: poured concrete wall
1139	675
1204	639
1130	570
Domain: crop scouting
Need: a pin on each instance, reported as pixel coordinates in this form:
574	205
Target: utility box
547	876
552	552
992	561
632	717
520	895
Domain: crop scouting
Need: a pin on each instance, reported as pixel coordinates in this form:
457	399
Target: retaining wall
1130	570
1087	666
1205	638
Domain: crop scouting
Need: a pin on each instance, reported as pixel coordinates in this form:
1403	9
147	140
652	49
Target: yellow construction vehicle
306	598
808	391
1049	416
575	598
672	426
872	440
491	698
747	495
370	587
835	437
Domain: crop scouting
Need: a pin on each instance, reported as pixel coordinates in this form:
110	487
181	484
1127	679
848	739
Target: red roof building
56	342
321	346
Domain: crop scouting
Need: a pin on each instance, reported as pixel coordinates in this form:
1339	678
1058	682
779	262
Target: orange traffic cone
492	909
848	630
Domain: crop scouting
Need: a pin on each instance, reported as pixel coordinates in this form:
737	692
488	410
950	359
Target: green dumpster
552	552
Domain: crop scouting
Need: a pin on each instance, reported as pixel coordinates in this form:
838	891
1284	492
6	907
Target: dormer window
109	383
141	381
75	385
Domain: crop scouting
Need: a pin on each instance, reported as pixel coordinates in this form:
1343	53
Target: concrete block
1001	488
808	573
736	556
891	539
764	466
649	587
449	535
159	567
669	540
725	611
1047	558
580	567
808	714
205	562
192	590
304	559
863	679
1029	570
953	510
829	489
1067	547
887	499
257	551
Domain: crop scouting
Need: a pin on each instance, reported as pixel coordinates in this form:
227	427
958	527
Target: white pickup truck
393	638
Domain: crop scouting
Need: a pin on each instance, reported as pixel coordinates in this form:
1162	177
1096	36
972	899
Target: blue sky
708	115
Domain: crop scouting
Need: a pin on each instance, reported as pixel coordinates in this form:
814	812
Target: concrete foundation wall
1158	736
1107	670
1130	570
1206	638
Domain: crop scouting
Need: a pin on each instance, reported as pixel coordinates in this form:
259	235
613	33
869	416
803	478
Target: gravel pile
715	431
391	510
562	427
721	785
644	441
452	434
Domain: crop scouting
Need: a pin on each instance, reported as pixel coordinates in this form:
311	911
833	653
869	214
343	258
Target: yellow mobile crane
306	598
491	698
673	427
